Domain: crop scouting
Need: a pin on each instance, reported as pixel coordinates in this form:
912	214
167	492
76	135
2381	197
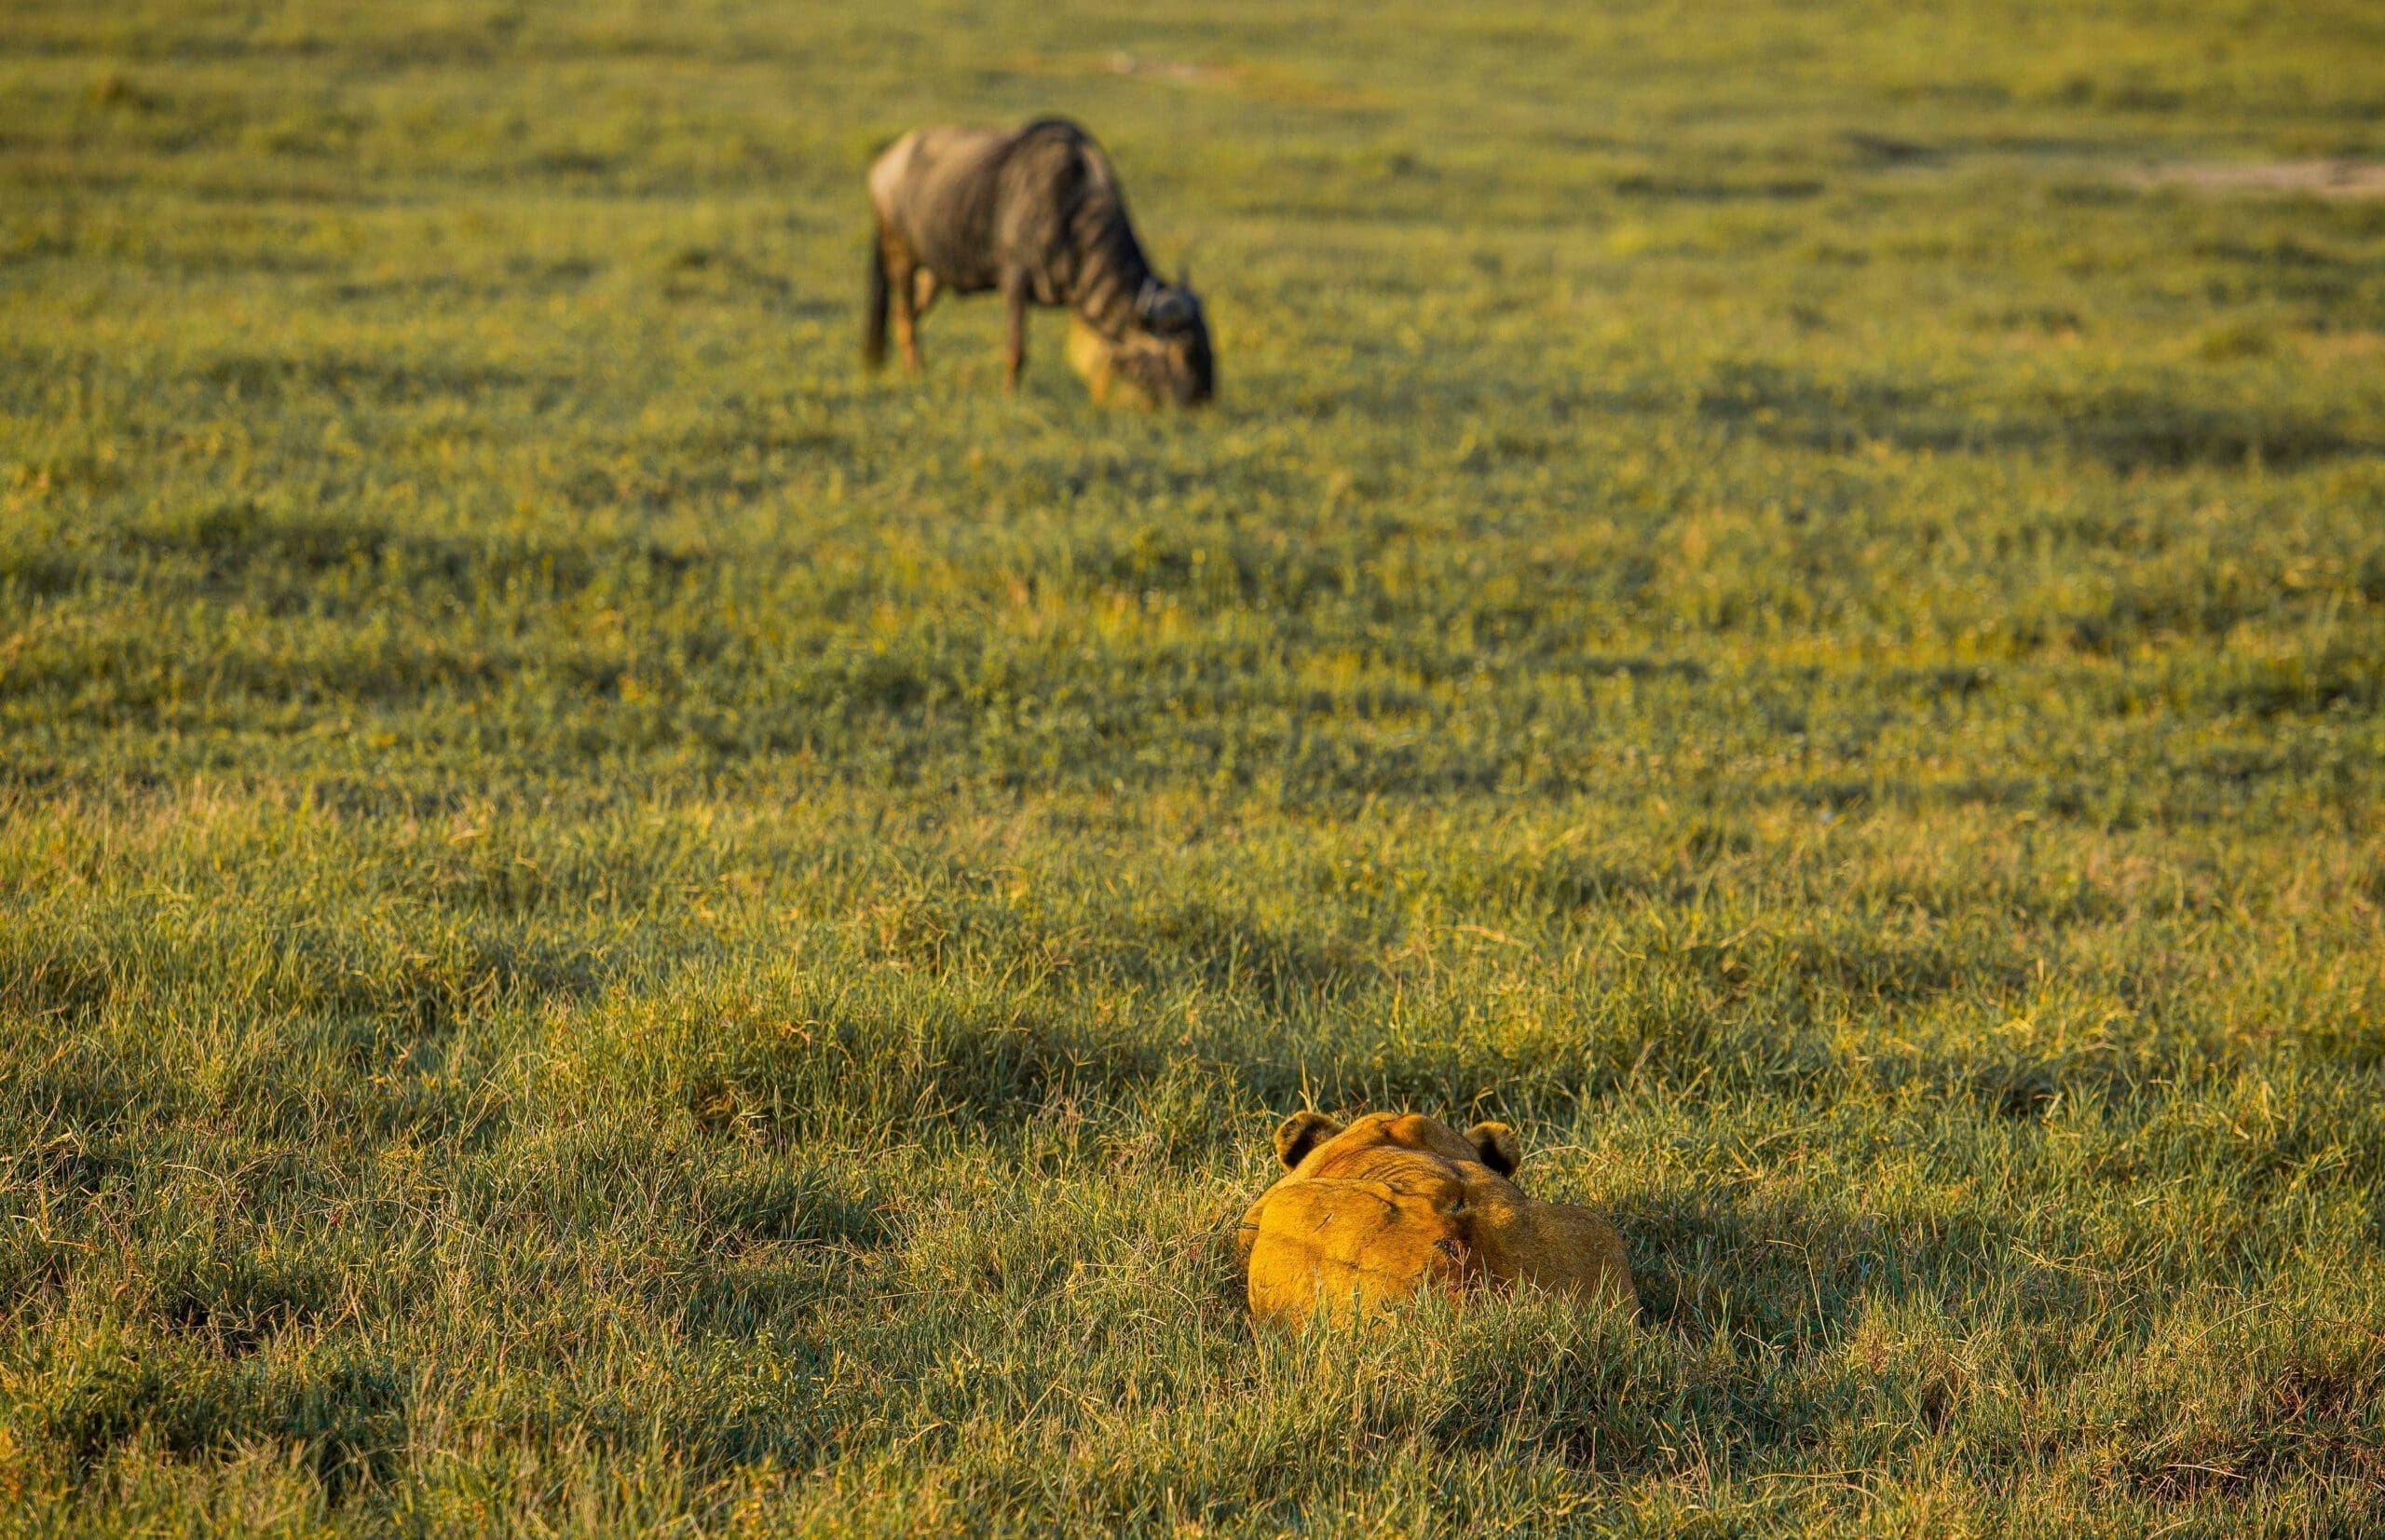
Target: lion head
1394	1204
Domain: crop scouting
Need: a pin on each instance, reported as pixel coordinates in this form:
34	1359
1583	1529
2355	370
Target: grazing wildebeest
1038	215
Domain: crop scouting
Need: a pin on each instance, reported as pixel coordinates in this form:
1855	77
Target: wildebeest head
1165	355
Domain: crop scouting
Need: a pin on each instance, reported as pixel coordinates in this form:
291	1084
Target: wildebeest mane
1111	273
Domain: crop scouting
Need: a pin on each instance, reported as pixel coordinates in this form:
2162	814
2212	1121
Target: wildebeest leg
1015	344
926	285
900	273
873	331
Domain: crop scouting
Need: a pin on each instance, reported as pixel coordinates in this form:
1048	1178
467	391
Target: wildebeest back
1040	201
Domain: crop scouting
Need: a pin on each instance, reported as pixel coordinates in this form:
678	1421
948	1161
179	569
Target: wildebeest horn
1168	306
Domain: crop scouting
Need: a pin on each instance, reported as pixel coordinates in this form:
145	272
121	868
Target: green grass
606	923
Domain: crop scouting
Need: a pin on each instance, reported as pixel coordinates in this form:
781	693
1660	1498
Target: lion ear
1300	1133
1496	1142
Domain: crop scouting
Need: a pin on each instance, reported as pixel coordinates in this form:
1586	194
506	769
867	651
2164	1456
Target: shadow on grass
238	542
2125	428
346	1411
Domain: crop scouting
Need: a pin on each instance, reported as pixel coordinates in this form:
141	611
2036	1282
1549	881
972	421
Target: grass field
608	923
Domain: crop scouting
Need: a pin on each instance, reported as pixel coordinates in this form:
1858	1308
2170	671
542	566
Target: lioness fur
1396	1203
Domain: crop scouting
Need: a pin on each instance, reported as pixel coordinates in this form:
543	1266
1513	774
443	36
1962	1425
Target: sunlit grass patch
606	922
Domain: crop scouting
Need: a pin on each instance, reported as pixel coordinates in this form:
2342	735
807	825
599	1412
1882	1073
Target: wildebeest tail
873	335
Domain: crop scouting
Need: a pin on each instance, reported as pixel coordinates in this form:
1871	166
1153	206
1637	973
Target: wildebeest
1036	213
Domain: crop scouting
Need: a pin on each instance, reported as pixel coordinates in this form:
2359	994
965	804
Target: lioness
1396	1202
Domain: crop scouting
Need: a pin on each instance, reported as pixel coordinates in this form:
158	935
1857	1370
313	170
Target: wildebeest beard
1039	214
1163	359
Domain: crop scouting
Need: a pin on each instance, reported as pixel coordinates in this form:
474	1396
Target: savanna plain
608	923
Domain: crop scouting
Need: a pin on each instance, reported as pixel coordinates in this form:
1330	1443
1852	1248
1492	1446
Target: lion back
1553	1245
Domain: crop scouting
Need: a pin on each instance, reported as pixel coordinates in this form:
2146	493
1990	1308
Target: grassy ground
603	921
